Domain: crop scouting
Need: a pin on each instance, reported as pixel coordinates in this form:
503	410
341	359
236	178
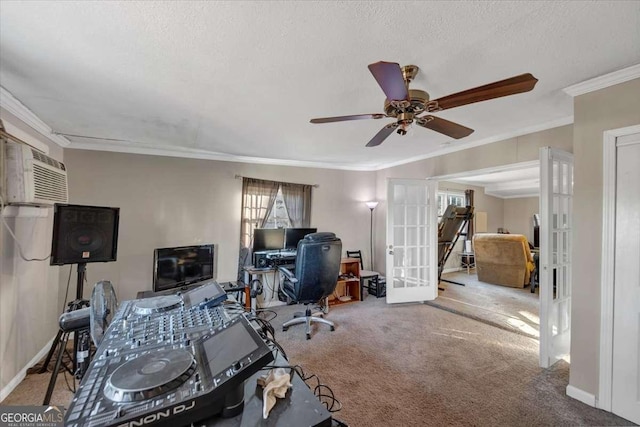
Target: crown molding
18	109
191	153
484	171
604	81
563	121
519	195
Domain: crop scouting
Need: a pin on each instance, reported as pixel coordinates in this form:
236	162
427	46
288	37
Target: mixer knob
198	386
236	366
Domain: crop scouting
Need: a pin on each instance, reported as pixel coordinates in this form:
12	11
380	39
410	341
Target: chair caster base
333	329
284	329
308	336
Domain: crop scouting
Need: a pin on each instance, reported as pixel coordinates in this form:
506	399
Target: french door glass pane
398	193
398	236
398	257
412	215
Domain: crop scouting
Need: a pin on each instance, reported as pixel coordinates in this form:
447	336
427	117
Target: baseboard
6	390
581	395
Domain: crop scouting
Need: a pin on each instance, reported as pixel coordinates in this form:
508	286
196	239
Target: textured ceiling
242	79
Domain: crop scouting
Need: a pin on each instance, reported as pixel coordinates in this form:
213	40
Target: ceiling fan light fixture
406	105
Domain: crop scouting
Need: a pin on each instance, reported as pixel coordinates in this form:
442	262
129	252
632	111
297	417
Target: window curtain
297	200
258	197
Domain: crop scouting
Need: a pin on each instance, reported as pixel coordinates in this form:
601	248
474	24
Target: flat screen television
293	235
268	239
181	266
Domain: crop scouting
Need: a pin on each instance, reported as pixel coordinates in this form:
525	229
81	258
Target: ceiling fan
406	105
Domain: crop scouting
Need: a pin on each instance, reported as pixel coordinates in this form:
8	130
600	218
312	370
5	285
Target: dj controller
170	360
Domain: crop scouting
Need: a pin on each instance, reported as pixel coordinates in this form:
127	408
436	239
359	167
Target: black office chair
316	275
372	280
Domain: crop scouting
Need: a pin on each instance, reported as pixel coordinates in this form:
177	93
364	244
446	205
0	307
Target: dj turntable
170	360
157	304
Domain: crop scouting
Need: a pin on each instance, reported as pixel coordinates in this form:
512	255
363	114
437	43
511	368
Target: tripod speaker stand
76	320
81	234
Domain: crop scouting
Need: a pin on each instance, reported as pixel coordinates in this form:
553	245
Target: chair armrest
288	274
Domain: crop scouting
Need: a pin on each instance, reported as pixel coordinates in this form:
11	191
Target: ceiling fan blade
389	77
444	127
347	118
382	135
511	86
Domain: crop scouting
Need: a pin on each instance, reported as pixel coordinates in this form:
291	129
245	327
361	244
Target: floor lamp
371	206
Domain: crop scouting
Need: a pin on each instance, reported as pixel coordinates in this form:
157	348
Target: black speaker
260	260
84	234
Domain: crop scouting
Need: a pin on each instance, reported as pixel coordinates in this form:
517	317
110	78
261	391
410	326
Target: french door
411	249
556	194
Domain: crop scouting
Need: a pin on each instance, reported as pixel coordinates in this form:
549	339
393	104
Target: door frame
609	170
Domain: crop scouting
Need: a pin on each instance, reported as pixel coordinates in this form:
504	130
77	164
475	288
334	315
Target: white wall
29	294
611	108
168	201
518	215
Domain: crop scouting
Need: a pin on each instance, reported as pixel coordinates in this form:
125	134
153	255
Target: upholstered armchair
503	259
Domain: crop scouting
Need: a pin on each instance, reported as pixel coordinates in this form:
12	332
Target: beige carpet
513	309
416	365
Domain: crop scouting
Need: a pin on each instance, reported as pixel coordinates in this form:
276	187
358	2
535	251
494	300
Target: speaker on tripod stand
81	235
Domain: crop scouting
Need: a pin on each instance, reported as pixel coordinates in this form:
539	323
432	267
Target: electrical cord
20	251
266	310
323	392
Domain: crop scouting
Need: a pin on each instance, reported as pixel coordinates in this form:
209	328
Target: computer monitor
181	266
268	239
293	235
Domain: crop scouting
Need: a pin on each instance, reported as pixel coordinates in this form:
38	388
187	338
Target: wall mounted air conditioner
33	178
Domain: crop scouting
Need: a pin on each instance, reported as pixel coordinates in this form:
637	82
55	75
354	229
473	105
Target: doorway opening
506	200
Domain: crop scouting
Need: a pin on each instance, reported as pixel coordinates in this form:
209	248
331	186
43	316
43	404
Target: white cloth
275	384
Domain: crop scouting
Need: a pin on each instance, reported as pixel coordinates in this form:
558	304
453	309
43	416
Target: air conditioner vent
33	178
37	155
49	185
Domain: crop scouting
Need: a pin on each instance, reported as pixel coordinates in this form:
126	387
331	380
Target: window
279	216
271	204
448	197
